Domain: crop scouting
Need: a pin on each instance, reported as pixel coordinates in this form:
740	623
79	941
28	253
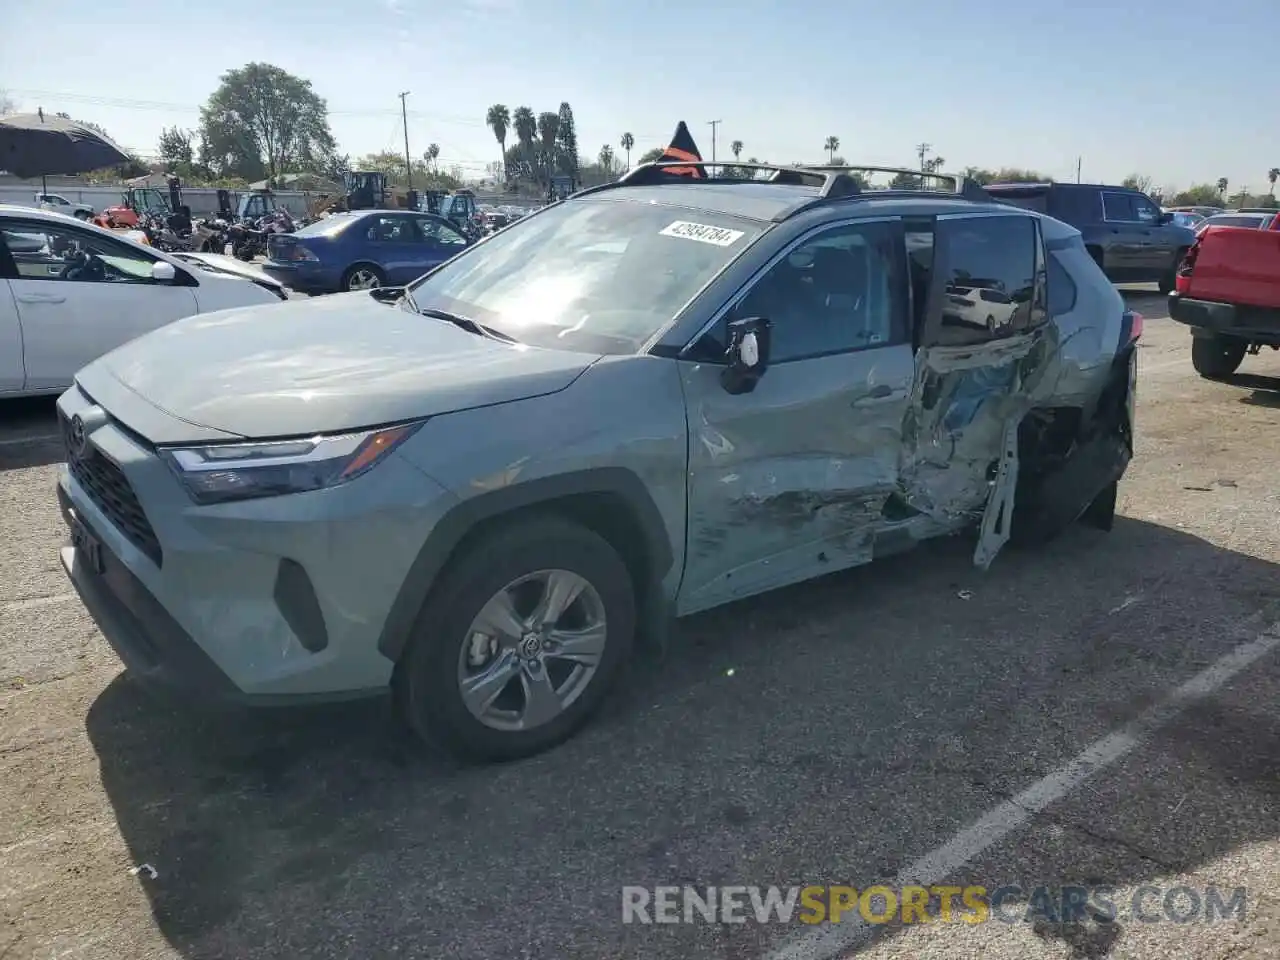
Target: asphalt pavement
1101	710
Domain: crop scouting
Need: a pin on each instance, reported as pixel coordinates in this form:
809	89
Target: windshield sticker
719	236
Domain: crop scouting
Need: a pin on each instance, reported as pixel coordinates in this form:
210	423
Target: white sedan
71	291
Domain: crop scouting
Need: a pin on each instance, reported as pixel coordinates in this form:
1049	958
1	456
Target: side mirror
1166	218
162	271
747	356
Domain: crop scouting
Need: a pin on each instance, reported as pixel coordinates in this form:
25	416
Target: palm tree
524	124
432	154
1222	187
627	142
499	121
1273	175
736	149
831	146
606	159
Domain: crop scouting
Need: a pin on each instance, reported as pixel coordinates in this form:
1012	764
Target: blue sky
1171	88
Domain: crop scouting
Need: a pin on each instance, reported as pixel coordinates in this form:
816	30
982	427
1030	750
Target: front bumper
1209	318
263	602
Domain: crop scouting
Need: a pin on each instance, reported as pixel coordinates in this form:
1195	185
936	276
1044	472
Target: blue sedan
361	250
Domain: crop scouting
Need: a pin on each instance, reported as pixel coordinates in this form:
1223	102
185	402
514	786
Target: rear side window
1118	206
989	280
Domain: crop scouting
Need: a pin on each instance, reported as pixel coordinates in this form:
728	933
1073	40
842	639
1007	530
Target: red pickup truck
1227	290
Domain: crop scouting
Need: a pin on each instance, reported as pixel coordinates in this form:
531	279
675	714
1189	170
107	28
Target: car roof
35	213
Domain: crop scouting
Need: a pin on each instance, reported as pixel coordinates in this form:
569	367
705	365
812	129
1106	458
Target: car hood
220	263
313	366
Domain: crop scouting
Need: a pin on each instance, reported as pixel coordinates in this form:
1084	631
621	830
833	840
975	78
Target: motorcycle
249	239
209	235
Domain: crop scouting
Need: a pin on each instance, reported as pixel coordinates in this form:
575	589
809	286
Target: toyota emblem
76	437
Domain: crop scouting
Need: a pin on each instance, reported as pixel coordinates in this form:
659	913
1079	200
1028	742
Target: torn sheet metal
960	435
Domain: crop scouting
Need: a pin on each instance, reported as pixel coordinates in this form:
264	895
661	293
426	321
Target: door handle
41	298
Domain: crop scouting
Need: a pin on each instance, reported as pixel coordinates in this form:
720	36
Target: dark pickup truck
1124	230
1228	293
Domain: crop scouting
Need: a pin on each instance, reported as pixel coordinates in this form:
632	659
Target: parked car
362	250
1124	230
1228	293
1184	218
1260	220
56	203
1198	210
72	292
650	399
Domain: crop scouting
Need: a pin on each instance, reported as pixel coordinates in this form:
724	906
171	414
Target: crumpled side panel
959	444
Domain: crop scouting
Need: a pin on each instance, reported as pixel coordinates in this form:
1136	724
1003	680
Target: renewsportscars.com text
880	904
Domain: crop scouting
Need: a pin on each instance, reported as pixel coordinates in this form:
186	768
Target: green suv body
645	401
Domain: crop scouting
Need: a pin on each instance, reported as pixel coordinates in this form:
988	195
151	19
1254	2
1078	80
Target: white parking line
935	866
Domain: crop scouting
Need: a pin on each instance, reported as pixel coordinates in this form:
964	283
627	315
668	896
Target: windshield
600	276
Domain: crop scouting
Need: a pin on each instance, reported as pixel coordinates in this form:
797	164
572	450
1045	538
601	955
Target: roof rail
966	188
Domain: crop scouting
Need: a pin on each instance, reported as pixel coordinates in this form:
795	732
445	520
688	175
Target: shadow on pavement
1265	391
28	433
829	733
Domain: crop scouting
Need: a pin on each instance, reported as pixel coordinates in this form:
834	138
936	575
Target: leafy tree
499	121
1273	175
651	156
175	146
1197	195
905	181
831	145
1005	175
8	104
264	120
628	141
1137	181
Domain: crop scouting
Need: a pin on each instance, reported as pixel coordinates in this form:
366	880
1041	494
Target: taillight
1130	327
1188	263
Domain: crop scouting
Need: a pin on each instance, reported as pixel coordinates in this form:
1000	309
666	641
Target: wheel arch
611	501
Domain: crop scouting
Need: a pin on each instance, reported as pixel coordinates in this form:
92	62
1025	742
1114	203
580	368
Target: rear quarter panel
1238	265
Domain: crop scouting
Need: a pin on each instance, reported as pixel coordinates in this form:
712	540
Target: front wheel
519	642
1216	357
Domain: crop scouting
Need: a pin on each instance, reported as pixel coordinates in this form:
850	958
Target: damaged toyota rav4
660	395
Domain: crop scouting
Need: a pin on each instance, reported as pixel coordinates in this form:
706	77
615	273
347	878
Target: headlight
221	472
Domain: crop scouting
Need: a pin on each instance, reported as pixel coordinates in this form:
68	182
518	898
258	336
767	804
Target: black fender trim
463	518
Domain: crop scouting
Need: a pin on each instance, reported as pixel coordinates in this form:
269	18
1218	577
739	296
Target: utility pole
1079	161
713	124
922	149
408	164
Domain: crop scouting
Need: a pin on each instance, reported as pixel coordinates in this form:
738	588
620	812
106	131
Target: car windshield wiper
466	323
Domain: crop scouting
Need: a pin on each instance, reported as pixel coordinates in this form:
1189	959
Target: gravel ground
850	730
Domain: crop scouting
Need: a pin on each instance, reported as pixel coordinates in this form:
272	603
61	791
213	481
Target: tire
1170	279
1217	357
429	677
363	276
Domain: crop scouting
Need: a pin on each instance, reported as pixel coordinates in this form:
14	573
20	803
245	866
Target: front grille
109	489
